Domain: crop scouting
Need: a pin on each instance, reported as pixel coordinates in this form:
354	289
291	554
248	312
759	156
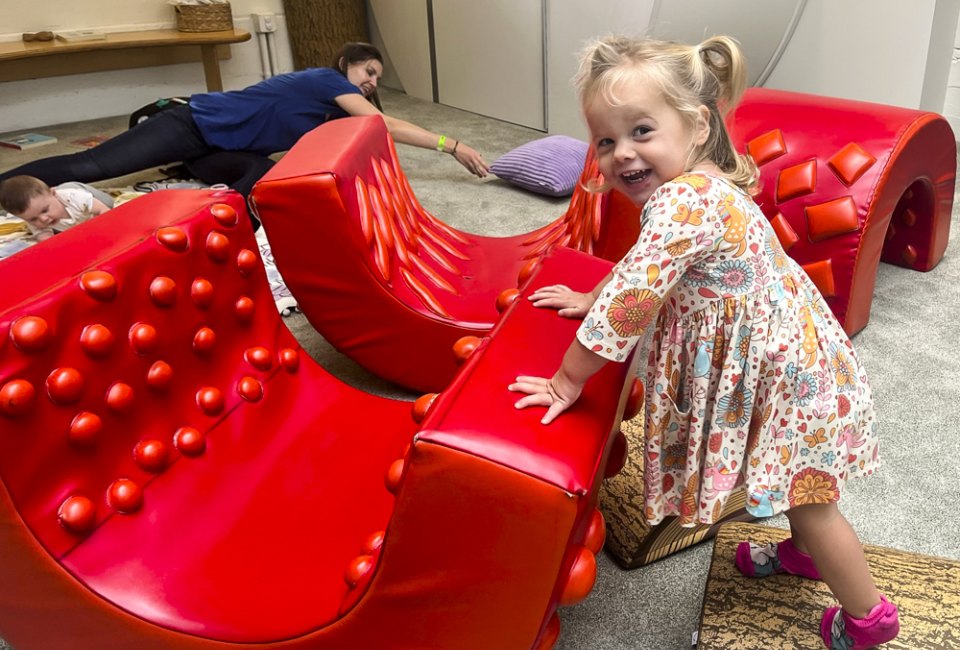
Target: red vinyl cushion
849	183
259	536
386	282
269	492
573	465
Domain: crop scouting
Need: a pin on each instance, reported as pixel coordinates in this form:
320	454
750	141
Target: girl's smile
642	142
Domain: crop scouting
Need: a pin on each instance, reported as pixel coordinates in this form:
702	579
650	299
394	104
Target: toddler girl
751	383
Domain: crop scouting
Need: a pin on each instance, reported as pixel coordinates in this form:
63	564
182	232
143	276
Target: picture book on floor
27	141
91	141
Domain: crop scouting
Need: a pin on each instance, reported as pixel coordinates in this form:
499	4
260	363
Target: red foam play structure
382	279
844	184
847	184
176	472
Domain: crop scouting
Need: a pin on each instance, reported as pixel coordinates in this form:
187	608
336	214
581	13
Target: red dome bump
125	496
77	514
31	333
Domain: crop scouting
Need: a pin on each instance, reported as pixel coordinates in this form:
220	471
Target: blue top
272	115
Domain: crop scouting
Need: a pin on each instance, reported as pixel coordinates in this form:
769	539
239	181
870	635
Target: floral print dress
751	383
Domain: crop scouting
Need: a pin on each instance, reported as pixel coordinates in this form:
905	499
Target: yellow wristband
441	143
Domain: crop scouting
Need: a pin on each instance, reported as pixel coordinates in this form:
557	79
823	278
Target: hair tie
702	52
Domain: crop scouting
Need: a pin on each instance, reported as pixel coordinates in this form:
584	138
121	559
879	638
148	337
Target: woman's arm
407	133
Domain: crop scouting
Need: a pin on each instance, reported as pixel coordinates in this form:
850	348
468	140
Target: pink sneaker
840	631
758	561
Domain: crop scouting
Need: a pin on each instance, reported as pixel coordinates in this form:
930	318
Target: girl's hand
567	302
471	159
557	394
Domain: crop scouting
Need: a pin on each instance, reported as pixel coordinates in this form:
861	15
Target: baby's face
44	210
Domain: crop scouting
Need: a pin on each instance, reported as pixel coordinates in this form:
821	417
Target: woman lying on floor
227	137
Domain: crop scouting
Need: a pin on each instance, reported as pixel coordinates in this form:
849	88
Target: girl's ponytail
720	60
722	56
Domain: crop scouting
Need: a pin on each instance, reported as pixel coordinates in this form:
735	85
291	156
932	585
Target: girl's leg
824	534
170	136
865	618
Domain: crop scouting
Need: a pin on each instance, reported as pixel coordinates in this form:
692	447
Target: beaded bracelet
454	152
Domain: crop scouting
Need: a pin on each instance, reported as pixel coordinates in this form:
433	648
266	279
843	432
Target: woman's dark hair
357	52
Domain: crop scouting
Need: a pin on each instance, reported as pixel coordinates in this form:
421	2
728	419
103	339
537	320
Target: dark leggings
168	137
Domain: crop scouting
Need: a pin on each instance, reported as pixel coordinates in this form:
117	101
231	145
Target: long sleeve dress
751	383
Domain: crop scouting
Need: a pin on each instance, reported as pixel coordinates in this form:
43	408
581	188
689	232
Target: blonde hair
711	74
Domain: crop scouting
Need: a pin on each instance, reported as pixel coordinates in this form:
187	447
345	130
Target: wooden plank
99	61
16	50
21	60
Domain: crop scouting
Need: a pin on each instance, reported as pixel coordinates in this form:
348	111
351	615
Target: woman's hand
567	302
408	133
557	394
471	159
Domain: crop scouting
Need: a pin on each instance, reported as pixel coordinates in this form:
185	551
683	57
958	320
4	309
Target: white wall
886	51
760	27
404	41
951	105
36	102
573	22
489	65
871	50
570	25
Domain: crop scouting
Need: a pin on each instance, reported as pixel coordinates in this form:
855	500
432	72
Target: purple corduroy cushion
550	165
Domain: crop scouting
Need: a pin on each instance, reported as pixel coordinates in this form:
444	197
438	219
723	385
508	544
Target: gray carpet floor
909	348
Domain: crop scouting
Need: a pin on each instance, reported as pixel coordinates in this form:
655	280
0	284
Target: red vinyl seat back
163	436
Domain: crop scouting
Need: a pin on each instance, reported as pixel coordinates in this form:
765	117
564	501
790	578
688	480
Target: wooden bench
21	60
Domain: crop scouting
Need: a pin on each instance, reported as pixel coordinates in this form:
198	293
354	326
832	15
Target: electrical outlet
264	23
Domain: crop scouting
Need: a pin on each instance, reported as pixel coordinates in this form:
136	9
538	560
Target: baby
49	210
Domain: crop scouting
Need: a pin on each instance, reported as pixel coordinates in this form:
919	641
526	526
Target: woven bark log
631	541
318	28
783	612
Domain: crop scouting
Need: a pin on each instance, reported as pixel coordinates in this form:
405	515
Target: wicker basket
204	18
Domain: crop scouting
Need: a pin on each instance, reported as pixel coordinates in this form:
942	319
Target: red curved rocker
391	286
383	280
175	471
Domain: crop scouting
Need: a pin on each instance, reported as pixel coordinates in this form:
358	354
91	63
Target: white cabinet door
490	58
